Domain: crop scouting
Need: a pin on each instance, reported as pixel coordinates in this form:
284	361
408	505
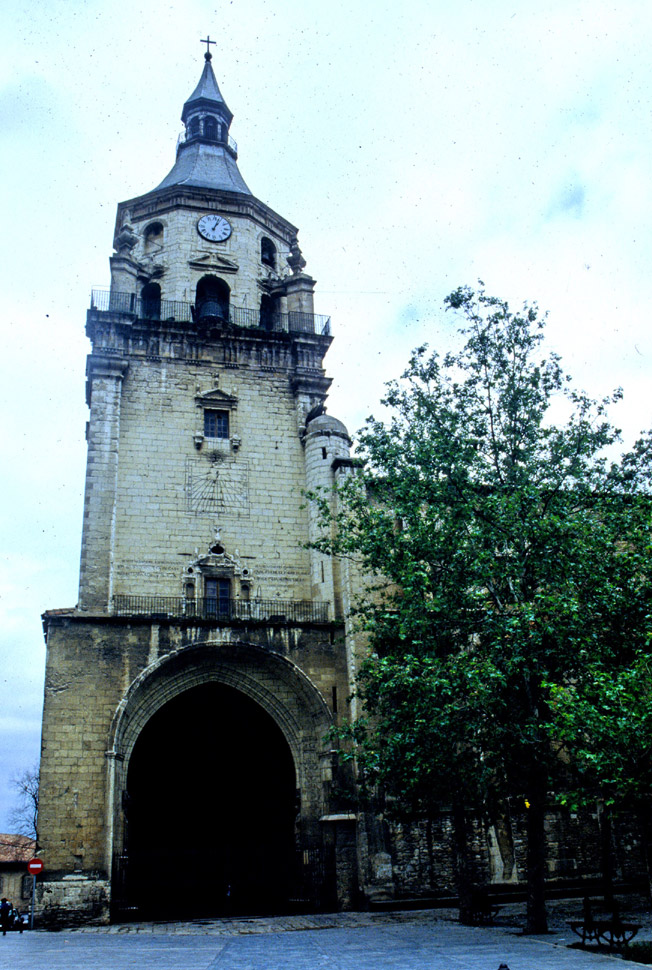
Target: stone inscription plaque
284	574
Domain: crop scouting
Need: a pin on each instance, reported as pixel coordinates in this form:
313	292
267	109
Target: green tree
503	557
605	719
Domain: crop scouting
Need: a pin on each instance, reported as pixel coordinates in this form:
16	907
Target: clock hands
214	227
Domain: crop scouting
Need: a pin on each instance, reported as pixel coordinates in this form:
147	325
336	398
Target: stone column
104	374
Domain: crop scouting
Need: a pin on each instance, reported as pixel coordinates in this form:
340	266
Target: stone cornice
144	207
106	365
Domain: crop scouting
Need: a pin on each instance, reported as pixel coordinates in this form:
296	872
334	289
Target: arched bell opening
212	299
268	252
150	297
211	809
210	128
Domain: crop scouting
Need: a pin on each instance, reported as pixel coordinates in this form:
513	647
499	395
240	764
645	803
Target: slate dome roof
326	422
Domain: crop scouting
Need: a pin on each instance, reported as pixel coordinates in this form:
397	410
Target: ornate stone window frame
217	400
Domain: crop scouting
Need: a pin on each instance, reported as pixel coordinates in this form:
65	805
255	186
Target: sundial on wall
215	484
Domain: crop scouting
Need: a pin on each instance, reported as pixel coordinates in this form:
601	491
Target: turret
327	443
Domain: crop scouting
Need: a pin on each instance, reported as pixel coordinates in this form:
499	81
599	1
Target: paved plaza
420	940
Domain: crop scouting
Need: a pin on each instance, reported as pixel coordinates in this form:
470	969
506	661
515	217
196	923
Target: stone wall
105	679
74	899
423	857
156	493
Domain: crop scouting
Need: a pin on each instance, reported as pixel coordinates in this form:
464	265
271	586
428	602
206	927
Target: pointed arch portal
210	808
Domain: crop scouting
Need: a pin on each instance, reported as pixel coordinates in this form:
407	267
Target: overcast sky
418	146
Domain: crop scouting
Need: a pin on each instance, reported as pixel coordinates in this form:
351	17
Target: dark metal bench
609	932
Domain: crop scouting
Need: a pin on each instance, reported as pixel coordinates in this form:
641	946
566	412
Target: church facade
189	694
187	767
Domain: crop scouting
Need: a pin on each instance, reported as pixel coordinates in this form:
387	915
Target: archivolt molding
303	721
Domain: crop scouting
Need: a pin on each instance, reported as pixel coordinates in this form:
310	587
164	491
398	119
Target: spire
206	154
206	95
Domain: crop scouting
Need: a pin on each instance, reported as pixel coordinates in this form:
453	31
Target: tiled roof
16	848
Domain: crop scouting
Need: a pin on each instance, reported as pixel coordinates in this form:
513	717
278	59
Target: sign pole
31	912
34	866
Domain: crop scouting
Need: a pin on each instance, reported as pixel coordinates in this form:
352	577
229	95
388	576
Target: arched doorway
210	808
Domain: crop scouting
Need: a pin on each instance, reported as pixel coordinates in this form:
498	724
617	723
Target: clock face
215	228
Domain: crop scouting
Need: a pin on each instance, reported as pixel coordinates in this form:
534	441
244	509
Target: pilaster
105	374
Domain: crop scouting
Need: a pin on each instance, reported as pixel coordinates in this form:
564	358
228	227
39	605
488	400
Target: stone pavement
416	940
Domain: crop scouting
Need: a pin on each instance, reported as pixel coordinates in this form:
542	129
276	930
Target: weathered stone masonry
206	391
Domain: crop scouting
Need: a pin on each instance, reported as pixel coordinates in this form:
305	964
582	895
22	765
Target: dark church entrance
210	810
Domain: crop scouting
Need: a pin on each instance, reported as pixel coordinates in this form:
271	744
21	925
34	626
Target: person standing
5	914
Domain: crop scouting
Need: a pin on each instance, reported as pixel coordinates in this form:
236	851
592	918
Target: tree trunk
606	855
645	828
463	862
537	920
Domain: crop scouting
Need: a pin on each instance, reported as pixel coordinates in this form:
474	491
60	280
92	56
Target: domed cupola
206	154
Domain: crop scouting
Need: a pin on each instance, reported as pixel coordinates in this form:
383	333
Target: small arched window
210	128
268	252
154	235
193	127
150	297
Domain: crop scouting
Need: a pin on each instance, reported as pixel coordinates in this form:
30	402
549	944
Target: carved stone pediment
222	562
217	562
213	262
217	399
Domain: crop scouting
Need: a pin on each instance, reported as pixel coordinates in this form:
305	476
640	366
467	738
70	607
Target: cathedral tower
190	692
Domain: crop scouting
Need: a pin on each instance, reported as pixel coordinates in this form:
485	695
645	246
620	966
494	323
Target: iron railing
223	610
184	137
207	311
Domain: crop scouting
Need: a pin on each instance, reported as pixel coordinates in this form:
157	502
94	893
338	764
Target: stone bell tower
190	692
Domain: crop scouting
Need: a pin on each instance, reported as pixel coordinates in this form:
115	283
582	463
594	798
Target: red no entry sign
34	866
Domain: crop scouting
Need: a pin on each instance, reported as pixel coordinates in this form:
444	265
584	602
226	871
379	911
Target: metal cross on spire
208	43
